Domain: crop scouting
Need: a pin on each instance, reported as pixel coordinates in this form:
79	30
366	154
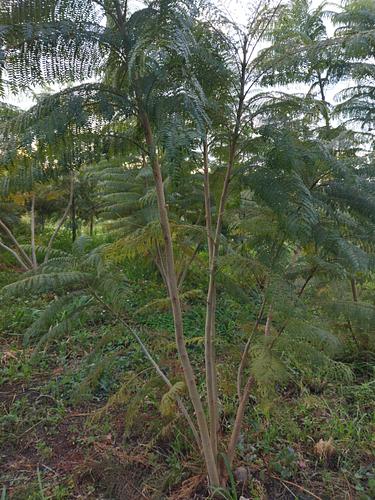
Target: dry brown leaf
325	449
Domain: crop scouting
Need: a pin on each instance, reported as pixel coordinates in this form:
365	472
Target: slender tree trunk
15	255
207	200
354	289
91	227
74	219
210	354
32	225
62	220
176	306
22	253
231	451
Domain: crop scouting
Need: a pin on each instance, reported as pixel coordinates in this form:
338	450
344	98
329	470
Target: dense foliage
187	236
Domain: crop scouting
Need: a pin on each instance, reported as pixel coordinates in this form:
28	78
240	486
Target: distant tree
355	30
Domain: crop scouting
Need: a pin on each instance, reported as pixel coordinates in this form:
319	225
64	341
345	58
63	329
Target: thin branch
161	265
239	419
15	254
15	242
263	31
297	486
183	274
148	355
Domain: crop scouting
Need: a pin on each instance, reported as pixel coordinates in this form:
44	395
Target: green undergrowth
82	418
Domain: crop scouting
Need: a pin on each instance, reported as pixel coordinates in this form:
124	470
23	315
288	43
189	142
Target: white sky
238	10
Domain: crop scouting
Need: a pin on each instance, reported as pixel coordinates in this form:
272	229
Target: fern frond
168	405
49	316
43	283
77	315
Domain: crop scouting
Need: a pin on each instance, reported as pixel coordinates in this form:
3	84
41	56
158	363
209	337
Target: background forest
187	243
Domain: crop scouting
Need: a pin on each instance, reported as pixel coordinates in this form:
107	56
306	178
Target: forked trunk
21	256
210	459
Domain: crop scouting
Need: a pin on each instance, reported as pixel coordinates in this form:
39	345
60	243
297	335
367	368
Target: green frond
49	316
141	242
268	369
77	314
51	282
164	304
361	314
168	401
91	380
61	41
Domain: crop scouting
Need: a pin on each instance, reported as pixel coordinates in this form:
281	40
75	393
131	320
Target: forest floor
56	446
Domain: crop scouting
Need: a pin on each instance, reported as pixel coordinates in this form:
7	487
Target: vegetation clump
187	234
